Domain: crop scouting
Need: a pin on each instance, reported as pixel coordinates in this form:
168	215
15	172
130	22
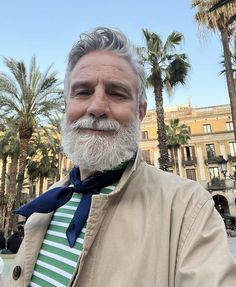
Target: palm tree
228	4
8	146
29	97
42	163
219	20
10	222
52	132
3	156
166	69
177	135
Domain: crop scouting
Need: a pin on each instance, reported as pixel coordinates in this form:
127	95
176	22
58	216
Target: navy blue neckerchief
56	197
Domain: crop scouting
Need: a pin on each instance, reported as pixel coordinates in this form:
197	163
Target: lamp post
222	163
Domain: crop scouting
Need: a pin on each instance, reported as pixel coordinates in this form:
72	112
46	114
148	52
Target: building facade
211	131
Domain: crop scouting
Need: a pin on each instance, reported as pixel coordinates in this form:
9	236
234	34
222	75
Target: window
146	156
144	135
189	153
191	173
210	150
229	126
214	172
232	147
207	129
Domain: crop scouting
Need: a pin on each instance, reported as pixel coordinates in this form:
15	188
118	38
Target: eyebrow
118	85
80	84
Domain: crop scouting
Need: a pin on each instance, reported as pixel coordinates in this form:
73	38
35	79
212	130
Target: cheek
74	111
126	114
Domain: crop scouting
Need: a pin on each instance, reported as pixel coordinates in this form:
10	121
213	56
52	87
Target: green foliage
164	65
177	134
42	163
28	97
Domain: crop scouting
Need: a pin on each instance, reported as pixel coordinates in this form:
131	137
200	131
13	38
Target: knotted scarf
56	197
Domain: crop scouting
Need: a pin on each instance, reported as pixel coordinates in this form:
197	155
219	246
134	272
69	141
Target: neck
84	173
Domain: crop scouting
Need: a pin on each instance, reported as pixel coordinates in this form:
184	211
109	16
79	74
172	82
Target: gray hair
106	39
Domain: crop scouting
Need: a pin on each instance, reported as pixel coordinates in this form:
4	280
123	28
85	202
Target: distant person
14	242
20	228
2	241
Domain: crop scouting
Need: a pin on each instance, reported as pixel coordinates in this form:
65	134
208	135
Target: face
101	128
103	85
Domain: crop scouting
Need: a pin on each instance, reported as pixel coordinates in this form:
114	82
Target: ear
142	110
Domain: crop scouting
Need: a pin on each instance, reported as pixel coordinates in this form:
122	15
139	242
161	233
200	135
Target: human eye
118	94
81	93
119	91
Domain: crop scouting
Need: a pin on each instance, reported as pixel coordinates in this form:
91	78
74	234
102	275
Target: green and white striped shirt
57	261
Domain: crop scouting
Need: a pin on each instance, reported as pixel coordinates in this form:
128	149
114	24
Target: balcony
172	163
189	161
231	158
211	160
216	184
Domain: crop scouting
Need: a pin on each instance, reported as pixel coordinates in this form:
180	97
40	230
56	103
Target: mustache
94	123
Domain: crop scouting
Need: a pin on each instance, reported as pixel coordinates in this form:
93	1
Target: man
115	221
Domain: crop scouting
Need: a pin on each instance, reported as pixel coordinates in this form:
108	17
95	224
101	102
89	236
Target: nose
99	105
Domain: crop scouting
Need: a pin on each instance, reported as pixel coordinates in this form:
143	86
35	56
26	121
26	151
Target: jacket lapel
34	234
35	230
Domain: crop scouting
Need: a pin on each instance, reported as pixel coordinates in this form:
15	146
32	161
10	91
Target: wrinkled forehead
109	63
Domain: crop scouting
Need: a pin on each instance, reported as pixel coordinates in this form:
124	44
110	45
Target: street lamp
222	165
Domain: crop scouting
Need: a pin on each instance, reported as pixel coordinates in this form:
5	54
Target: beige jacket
154	230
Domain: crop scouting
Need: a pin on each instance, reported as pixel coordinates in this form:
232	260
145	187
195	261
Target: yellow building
211	130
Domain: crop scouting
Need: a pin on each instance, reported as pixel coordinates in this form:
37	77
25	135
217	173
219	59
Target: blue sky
48	29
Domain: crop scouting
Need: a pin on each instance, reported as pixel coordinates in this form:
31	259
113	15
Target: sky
49	28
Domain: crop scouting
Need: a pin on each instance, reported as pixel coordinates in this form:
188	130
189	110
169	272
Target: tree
220	19
227	4
29	97
9	146
166	69
52	132
42	163
177	135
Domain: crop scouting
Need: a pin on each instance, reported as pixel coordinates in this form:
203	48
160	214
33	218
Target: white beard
99	152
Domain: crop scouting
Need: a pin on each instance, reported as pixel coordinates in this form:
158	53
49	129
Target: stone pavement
232	246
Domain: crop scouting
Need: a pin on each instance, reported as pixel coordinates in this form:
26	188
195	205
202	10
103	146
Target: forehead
106	65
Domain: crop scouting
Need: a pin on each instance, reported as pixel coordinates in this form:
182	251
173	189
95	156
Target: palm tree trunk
21	172
11	193
176	160
60	159
180	162
2	188
41	185
229	74
161	128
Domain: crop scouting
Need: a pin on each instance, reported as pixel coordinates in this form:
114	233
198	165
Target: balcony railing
231	158
172	162
189	162
211	160
216	184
